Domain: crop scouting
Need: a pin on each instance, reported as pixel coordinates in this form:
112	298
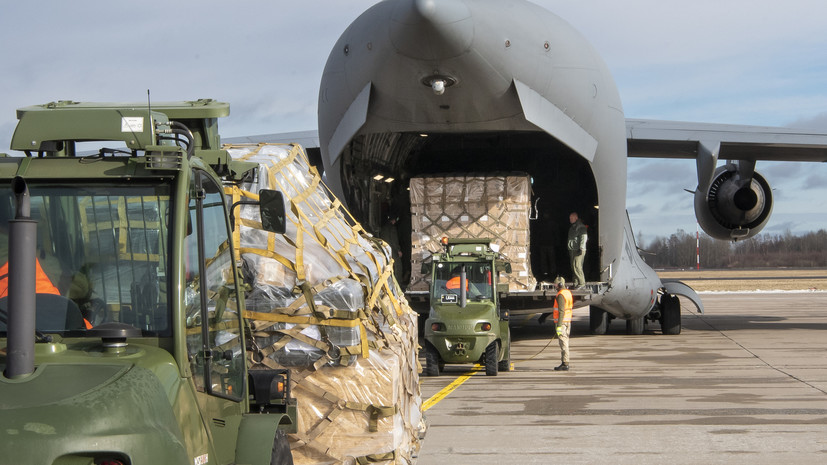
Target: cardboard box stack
490	206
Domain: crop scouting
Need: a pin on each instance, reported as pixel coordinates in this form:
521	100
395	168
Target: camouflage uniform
577	251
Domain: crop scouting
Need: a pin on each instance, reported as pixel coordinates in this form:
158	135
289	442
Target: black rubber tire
281	450
505	363
432	362
598	321
670	307
491	364
635	327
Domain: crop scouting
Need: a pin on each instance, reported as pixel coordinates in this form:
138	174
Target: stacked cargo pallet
323	302
490	206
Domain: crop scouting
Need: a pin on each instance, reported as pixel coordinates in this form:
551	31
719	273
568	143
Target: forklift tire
281	450
432	361
491	363
505	364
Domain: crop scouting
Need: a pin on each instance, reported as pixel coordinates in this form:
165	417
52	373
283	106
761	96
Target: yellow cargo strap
377	290
322	425
300	319
375	458
375	412
364	345
299	265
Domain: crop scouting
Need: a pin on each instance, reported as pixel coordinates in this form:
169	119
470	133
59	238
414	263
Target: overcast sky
757	62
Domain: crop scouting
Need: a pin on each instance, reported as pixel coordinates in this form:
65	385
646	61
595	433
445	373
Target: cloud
742	62
818	122
781	227
815	181
636	209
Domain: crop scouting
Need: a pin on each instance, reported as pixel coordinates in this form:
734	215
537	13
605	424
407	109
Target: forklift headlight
164	158
437	327
485	327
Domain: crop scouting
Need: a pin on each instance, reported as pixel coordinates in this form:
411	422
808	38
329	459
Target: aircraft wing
673	139
307	139
668	139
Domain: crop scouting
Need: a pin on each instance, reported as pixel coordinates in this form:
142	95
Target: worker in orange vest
565	301
453	284
43	285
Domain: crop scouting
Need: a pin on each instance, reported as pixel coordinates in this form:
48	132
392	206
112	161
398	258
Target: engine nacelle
735	207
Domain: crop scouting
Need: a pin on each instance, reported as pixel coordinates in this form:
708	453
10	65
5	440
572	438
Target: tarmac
744	383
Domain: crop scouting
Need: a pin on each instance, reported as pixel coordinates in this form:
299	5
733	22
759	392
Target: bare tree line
762	251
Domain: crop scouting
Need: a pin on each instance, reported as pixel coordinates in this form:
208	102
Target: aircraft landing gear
598	320
670	319
635	327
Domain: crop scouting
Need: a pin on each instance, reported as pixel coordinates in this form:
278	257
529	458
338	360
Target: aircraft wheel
281	450
432	362
670	322
491	364
634	327
598	320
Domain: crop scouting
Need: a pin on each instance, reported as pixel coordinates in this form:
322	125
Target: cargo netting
490	206
322	301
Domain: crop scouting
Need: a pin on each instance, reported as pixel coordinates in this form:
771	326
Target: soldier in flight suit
577	248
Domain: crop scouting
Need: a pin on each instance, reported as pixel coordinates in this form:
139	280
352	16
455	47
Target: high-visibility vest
569	305
453	283
43	285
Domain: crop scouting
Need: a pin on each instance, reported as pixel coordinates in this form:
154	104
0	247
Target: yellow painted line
436	398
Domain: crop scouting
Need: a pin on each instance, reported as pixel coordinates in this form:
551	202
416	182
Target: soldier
577	248
565	302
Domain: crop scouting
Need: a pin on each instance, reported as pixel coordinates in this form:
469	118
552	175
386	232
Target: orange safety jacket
43	285
453	283
569	305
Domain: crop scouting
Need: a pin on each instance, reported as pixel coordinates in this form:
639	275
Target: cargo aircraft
416	87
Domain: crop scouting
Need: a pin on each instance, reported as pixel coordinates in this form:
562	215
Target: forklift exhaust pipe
21	300
463	282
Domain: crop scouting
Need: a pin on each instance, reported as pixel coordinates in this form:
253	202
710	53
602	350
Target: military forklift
122	337
466	323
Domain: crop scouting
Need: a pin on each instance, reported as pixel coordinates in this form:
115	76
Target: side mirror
271	205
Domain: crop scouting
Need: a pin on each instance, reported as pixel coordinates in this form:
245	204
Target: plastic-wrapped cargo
494	206
323	302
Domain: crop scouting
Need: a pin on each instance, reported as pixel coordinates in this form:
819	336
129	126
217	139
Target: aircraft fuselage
450	86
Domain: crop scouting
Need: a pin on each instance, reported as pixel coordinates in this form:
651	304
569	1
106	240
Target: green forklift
122	337
466	323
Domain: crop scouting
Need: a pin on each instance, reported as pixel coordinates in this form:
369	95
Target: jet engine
737	204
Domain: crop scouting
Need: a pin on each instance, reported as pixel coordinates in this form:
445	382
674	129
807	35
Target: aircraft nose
431	29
